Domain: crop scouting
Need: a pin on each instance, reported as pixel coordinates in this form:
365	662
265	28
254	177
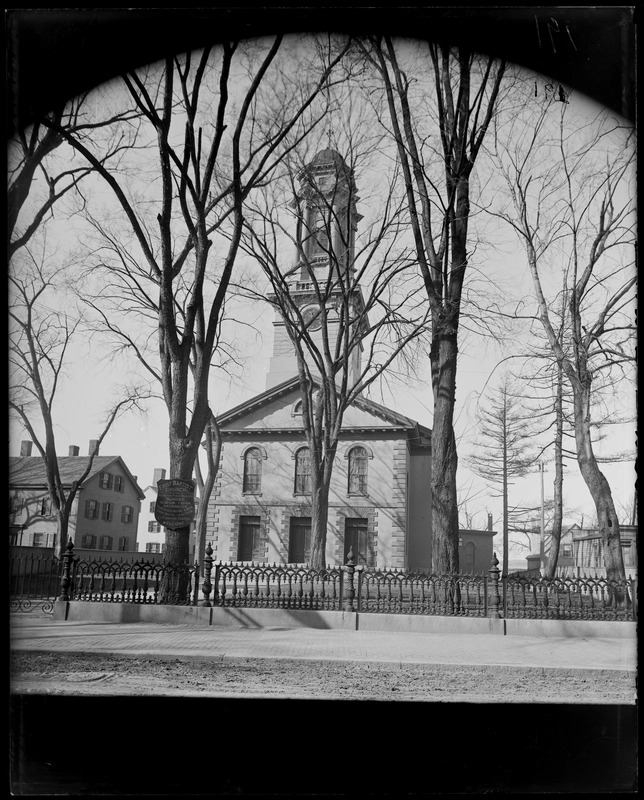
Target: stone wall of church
383	506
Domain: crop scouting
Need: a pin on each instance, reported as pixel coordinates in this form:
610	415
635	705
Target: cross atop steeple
329	134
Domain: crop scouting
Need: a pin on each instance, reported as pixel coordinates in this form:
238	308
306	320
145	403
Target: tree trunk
443	356
62	535
600	492
174	587
319	521
213	443
553	555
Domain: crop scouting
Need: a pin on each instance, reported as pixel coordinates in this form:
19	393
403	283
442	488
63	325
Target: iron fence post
195	597
349	593
359	590
215	594
494	578
207	570
68	557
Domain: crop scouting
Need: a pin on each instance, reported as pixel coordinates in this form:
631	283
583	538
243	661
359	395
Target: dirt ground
100	674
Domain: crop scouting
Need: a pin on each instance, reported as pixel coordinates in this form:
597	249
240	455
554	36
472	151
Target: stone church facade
380	494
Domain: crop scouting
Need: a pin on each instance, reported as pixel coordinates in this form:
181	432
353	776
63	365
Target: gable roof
29	471
262	401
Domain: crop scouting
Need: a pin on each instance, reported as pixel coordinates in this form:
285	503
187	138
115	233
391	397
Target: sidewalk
38	634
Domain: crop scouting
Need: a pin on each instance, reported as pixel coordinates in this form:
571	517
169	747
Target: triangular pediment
275	410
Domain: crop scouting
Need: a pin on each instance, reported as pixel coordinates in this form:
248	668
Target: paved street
29	634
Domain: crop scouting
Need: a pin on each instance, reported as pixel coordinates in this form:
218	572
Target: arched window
358	470
252	470
303	471
470	554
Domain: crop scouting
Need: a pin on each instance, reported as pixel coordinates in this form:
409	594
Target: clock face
311	316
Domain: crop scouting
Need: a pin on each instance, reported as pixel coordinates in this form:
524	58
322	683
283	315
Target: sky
142	440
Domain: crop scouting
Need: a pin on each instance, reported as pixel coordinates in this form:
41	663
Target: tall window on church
356	541
248	548
358	471
303	471
252	470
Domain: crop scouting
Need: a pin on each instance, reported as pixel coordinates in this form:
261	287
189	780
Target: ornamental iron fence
570	598
397	591
276	586
36	581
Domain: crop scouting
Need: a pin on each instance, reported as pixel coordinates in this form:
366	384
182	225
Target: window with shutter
91	509
105	480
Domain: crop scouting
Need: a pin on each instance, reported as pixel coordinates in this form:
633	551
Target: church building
380	495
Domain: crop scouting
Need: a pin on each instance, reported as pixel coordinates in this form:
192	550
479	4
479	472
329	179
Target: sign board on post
175	503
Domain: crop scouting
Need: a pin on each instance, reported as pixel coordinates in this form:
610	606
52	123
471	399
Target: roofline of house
16	485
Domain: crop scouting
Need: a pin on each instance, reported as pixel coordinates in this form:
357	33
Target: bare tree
503	453
569	181
464	93
218	123
39	342
35	159
348	306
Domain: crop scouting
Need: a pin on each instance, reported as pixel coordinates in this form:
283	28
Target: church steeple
327	220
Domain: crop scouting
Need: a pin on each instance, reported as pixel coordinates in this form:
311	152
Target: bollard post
349	589
68	557
494	584
207	571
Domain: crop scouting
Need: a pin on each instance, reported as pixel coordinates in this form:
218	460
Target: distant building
475	549
588	549
151	534
581	551
105	512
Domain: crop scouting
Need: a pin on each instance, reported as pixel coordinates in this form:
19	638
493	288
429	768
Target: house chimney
93	447
489	522
73	450
159	475
25	448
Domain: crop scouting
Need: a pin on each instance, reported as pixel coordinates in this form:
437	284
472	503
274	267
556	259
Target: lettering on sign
175	503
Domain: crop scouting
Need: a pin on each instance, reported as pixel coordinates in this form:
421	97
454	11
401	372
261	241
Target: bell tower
327	220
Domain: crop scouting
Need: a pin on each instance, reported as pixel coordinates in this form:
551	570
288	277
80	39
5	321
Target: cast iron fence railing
133	582
334	588
398	591
34	582
276	586
570	598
